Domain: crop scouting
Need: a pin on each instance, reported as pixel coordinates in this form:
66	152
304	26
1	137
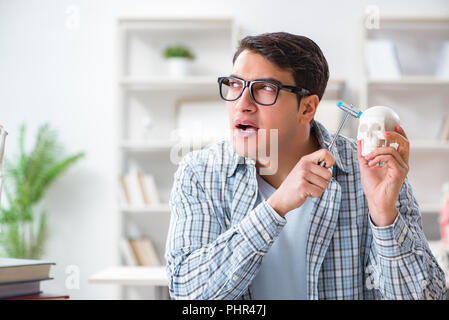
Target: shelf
127	275
200	83
138	146
178	23
158	146
429	145
146	209
414	19
409	80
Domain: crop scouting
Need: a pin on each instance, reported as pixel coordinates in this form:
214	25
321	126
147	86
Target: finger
320	171
362	161
322	155
385	151
399	129
313	191
402	141
390	161
316	180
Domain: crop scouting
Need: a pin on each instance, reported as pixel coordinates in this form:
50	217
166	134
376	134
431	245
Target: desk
134	276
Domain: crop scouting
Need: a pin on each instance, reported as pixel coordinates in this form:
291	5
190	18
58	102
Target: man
348	230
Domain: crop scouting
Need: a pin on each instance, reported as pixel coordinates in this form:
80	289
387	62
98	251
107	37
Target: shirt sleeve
401	265
205	261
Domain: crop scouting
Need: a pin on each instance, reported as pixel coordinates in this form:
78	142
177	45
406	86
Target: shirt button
401	239
424	283
235	278
266	236
251	192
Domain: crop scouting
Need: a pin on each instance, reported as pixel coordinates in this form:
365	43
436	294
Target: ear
307	108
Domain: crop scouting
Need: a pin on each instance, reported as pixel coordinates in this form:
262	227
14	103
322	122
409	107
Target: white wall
51	73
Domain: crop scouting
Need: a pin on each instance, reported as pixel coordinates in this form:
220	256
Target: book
144	252
143	189
16	270
444	131
13	289
139	189
151	189
124	191
40	296
127	252
135	193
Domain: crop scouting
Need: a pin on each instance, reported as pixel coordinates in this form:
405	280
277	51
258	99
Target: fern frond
26	181
44	181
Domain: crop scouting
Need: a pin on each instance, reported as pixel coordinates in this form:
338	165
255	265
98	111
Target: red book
40	296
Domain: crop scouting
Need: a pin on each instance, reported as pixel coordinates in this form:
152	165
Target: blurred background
102	99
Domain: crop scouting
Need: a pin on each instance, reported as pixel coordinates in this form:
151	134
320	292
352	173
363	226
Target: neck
289	156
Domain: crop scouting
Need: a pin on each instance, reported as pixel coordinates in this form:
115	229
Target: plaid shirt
217	237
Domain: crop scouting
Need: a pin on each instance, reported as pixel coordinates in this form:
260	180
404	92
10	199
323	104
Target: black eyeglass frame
298	90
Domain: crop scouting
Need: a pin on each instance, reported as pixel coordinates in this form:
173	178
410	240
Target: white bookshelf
146	90
419	95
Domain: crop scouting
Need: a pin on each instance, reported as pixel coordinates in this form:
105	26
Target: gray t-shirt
283	273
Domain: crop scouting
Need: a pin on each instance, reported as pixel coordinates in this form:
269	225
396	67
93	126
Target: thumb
362	160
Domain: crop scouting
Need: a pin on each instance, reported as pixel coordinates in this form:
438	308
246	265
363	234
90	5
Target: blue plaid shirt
217	236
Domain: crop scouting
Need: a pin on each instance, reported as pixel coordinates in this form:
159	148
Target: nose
245	103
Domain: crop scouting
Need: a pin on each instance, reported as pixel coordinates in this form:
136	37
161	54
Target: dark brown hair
295	53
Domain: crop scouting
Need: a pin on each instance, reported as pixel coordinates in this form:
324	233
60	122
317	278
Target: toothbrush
349	110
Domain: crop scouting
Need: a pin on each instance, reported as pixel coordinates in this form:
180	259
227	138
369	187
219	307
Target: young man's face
283	116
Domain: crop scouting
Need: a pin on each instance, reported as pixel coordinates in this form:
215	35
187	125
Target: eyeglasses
263	92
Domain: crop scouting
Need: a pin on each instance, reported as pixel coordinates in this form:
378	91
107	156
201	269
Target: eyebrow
260	79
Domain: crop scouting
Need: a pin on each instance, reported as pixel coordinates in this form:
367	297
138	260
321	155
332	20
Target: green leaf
178	52
26	180
38	243
44	181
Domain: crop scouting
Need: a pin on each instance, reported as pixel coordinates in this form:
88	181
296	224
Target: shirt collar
324	139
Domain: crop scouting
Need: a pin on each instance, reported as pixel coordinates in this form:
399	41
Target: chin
245	146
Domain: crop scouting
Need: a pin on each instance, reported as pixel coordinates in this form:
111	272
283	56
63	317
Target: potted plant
27	179
179	59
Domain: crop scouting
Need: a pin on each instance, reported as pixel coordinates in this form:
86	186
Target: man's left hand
382	184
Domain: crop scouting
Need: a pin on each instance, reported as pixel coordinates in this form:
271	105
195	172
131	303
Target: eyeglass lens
262	92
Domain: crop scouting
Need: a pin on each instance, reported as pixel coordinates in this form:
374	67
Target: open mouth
246	127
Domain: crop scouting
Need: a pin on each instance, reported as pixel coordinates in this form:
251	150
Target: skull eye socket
376	127
363	127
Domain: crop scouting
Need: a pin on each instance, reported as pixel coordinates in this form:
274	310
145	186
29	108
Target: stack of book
21	279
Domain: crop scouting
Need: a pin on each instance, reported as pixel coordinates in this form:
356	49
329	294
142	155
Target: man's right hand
307	179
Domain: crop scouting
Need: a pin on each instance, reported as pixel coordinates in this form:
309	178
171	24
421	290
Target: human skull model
373	123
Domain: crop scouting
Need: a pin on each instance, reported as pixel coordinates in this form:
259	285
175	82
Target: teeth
246	127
